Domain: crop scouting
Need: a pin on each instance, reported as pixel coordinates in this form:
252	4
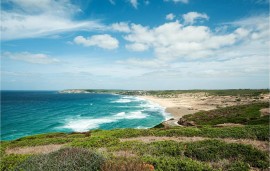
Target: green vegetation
64	159
9	162
105	150
162	155
244	114
231	92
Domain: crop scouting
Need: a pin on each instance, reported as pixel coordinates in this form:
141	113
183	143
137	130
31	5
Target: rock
265	111
184	122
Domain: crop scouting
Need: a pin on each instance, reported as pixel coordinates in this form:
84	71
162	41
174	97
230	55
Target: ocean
26	113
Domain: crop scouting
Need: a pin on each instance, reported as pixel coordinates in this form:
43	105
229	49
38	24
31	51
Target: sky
134	44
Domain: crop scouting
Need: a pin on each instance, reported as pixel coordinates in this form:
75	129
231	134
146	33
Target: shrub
234	114
238	166
126	164
214	150
67	159
176	164
11	161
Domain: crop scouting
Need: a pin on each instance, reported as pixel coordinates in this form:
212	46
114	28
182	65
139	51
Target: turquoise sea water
33	112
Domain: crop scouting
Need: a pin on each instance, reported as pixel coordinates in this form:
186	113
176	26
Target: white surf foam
131	115
82	125
142	127
122	101
128	99
154	107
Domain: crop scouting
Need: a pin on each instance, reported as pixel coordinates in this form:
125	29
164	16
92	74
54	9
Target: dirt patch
43	149
229	125
150	139
262	145
265	111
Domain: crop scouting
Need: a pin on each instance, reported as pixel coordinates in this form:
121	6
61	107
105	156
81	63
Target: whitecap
128	99
131	115
122	101
142	127
120	114
82	125
154	107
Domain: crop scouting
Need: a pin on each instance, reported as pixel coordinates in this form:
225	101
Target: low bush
238	166
214	150
67	159
126	164
163	163
243	114
10	162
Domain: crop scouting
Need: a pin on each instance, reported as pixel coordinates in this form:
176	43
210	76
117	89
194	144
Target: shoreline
176	111
189	103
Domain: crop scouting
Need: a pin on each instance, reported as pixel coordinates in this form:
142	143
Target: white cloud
30	19
170	16
191	17
121	27
104	41
31	58
197	55
172	40
134	3
176	1
139	47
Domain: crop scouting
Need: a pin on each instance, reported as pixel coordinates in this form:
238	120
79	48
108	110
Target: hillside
202	147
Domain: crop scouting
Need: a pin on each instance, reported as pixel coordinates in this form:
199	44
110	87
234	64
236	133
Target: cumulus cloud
121	27
38	58
237	55
172	40
176	1
139	47
104	41
170	16
192	17
30	19
134	3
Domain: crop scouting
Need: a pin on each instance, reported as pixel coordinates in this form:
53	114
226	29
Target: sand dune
188	103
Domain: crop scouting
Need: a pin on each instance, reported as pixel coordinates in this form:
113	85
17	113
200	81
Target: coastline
190	103
175	110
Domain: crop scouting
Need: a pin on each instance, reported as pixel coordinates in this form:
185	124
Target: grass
256	132
232	92
167	93
10	162
161	154
243	114
97	149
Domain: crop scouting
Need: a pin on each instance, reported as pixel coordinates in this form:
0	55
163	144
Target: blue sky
134	44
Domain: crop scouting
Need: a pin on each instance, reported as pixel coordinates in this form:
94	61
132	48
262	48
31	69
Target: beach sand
188	103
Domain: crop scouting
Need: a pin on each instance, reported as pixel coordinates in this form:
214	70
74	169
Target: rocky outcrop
184	122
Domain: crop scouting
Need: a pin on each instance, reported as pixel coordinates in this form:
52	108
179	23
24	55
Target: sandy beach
189	103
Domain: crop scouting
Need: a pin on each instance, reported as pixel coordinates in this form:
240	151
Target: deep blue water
33	112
